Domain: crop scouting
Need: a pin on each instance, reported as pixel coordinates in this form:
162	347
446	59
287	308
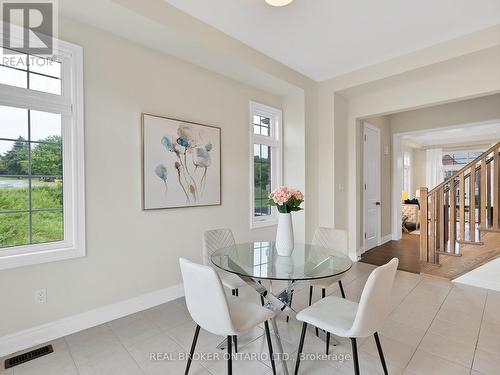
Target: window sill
256	224
21	259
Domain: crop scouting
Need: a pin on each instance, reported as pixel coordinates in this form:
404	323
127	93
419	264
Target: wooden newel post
424	230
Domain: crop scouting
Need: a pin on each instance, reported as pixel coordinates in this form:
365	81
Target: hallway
406	250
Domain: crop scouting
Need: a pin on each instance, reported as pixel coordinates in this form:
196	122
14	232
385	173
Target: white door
371	166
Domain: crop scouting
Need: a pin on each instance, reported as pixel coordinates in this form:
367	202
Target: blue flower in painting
167	143
183	142
202	158
161	171
209	147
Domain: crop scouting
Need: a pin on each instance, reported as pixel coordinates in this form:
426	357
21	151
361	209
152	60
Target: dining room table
277	277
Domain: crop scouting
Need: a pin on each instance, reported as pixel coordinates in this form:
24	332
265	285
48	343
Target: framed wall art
181	163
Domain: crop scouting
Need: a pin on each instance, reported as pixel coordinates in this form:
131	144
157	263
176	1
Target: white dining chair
345	318
218	239
329	238
220	315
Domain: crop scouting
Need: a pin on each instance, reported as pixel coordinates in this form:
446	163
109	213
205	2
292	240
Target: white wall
462	112
340	149
130	251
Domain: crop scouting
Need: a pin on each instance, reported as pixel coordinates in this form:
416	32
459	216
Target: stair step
465	242
489	230
448	253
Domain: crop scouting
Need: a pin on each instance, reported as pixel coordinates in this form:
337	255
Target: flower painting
181	163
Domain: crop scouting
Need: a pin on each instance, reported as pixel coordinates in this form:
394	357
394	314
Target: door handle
377	203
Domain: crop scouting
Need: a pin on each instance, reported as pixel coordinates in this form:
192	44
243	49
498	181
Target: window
261	252
265	166
41	157
407	172
453	161
30	72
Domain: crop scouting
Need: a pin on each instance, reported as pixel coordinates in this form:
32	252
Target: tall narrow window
41	157
407	173
265	125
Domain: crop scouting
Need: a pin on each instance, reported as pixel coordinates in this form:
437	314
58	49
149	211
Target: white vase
284	235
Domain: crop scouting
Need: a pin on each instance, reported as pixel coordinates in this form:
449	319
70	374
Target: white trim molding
50	331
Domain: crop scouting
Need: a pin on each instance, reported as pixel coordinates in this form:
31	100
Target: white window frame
275	141
70	105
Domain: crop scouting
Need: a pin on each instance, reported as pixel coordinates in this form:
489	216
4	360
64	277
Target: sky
14	124
14	121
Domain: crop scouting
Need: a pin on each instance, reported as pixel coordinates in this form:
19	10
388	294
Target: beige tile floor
435	327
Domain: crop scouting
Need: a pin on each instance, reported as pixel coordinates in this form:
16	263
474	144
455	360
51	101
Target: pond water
6	183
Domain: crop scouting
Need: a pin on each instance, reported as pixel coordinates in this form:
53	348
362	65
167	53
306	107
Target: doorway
371	185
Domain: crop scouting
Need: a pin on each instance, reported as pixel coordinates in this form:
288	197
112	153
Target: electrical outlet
40	296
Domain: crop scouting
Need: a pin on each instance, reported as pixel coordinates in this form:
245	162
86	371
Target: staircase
460	219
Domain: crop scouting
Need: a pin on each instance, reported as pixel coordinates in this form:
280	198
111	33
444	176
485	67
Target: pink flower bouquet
286	200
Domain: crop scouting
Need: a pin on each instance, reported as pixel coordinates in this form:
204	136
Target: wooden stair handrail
467	166
439	208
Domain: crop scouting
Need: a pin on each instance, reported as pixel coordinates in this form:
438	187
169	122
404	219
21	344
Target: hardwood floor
472	256
450	267
407	250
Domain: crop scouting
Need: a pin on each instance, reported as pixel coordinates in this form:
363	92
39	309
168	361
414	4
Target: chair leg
291	298
270	346
237	293
235	339
310	294
341	289
327	342
233	292
323	292
229	355
193	346
380	352
301	346
355	355
261	298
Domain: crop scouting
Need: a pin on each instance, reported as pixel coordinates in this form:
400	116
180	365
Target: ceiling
325	38
465	134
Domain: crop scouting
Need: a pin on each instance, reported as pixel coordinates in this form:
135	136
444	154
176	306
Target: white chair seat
217	313
245	315
345	318
332	314
230	280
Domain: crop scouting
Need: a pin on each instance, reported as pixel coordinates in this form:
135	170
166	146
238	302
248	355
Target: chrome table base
279	303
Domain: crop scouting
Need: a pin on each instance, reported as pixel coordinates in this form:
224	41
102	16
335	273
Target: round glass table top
261	261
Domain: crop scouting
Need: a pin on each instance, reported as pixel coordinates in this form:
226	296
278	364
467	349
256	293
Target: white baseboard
50	331
385	239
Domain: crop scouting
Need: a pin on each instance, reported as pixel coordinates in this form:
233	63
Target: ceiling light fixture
278	3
